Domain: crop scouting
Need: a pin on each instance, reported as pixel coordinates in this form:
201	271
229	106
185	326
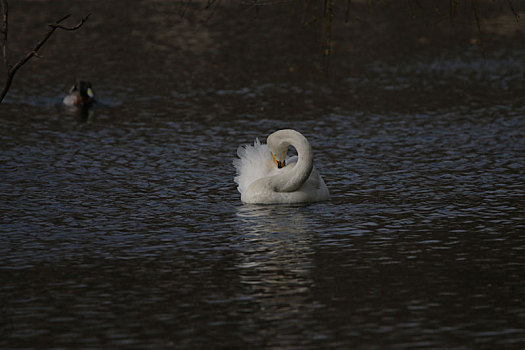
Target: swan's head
278	143
280	164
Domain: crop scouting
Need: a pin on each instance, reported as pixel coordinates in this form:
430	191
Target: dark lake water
121	226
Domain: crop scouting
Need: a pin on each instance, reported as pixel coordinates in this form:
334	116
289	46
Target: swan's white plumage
260	181
254	162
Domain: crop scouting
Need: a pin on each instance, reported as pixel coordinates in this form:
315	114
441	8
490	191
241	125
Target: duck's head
80	94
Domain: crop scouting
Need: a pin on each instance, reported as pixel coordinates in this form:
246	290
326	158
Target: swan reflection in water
275	264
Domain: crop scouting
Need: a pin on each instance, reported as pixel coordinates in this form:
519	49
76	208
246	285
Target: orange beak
279	164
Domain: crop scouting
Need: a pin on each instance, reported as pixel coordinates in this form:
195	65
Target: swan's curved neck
293	177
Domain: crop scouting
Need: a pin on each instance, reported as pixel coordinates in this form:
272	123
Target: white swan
264	176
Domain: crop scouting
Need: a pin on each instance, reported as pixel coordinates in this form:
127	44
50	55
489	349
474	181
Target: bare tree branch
11	71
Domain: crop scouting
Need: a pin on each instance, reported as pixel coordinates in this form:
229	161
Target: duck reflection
276	262
86	114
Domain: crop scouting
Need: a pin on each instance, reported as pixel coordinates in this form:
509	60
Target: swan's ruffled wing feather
254	162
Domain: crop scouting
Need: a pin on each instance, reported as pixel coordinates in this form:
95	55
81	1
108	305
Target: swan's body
261	179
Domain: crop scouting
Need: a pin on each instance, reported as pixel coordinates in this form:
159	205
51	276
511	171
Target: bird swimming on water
265	175
81	94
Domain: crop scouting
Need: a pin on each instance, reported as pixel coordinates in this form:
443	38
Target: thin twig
11	71
347	11
57	26
4	33
514	12
478	24
257	3
210	3
217	4
328	16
